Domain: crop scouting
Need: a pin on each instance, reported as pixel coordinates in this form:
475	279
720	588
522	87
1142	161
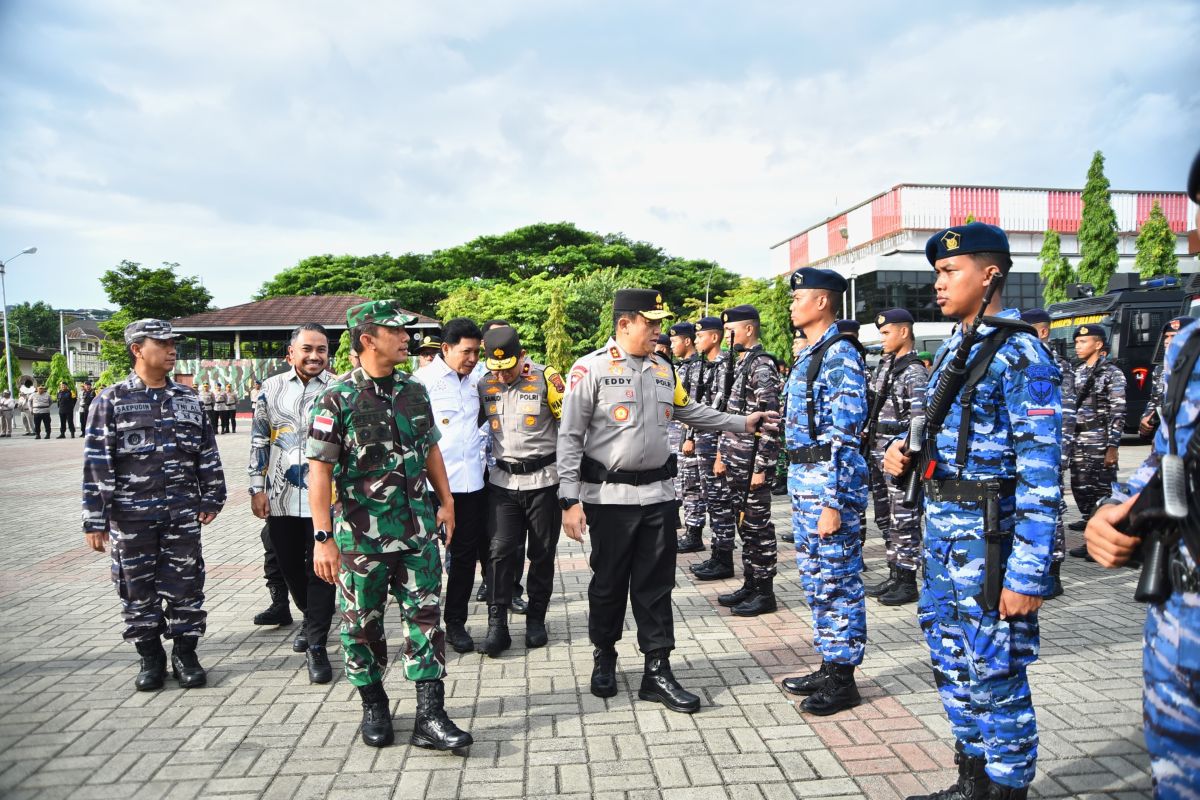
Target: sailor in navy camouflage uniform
828	485
1010	417
1150	417
151	477
687	483
1171	654
713	501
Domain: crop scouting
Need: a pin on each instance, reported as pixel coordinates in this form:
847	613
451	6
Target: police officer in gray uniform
613	455
151	477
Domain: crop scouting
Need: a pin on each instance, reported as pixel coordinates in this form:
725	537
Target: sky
237	138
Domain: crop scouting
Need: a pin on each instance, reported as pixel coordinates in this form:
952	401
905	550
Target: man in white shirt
453	390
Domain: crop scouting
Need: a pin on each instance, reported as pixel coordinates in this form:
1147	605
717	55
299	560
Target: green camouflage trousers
414	578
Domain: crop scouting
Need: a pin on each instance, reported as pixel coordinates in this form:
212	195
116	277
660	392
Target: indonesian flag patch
323	424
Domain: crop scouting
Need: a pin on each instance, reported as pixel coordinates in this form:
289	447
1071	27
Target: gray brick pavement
70	726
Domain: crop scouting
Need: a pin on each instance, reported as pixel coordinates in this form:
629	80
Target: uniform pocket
134	439
619	406
188	437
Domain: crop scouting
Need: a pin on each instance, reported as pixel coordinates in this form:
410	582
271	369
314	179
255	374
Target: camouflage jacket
1103	407
903	398
147	459
1068	406
757	386
377	444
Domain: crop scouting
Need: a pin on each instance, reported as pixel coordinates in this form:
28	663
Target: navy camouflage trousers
158	570
714	490
900	526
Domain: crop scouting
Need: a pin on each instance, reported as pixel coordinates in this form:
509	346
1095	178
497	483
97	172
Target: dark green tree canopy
159	293
1156	246
1098	254
34	325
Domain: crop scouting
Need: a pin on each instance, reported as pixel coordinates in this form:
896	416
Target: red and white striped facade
919	207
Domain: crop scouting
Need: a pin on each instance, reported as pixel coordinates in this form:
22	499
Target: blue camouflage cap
974	237
1036	315
149	329
893	315
817	278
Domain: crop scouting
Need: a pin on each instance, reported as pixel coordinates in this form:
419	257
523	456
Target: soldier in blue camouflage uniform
745	460
1150	418
1171	654
1099	423
828	485
1040	320
713	501
990	512
899	394
688	366
151	477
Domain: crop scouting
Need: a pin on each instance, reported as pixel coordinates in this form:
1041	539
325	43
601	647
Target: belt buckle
1182	578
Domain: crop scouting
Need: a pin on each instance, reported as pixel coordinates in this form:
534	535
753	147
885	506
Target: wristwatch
256	490
566	502
322	536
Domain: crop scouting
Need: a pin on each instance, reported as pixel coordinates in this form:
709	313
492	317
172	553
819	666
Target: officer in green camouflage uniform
372	434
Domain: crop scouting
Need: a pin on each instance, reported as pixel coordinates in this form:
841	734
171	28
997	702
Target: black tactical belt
813	454
1094	425
592	471
1183	578
968	491
528	466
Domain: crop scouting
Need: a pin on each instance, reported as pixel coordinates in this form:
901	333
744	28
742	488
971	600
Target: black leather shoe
690	542
805	685
604	672
497	639
518	605
319	668
881	588
760	601
536	634
1055	574
185	666
903	591
659	685
1078	526
300	643
972	784
279	612
481	593
1080	552
432	729
718	567
458	638
377	716
839	693
737	595
153	667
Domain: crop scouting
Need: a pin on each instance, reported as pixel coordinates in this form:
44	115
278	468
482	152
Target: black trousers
223	417
468	548
40	421
633	556
232	419
271	571
82	422
523	522
212	420
292	539
65	421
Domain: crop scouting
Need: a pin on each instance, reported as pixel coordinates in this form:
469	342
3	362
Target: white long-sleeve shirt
455	402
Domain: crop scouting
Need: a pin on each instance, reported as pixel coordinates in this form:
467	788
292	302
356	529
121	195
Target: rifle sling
814	367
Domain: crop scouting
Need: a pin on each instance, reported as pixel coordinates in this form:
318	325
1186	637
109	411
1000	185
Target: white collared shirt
455	402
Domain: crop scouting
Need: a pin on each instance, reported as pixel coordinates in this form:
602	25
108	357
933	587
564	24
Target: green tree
4	372
771	298
41	372
33	325
113	349
341	359
59	373
554	332
1056	269
158	293
1098	255
1156	246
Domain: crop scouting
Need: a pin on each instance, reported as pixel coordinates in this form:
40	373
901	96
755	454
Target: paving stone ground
71	725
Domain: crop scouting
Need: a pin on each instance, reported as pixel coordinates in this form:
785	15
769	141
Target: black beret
1193	186
816	278
1091	330
974	237
709	324
663	339
683	329
1176	324
741	313
893	315
1035	315
848	326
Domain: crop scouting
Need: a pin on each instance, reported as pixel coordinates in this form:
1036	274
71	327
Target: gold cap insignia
951	240
879	320
1174	324
497	352
1083	331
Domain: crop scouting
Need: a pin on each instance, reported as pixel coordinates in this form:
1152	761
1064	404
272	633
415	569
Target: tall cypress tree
1056	270
1097	229
554	330
1156	246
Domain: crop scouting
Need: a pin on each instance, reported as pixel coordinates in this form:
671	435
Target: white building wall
924	207
1023	209
858	226
818	243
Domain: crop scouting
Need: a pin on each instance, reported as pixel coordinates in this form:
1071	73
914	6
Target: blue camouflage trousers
158	569
979	660
831	576
1171	702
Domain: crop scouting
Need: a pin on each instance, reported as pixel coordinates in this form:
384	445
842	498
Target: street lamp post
4	305
708	281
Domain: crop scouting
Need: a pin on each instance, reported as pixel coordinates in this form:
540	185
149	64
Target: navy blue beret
847	326
815	278
709	324
743	313
683	329
1177	324
1091	330
974	237
893	315
1035	315
663	339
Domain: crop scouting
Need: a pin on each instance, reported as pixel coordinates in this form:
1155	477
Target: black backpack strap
814	367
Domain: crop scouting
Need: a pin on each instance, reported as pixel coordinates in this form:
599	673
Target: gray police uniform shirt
617	411
207	399
522	421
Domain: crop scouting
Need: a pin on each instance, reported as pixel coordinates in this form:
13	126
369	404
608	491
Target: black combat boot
760	601
839	693
497	639
691	541
737	595
1056	575
185	667
458	638
153	666
659	685
377	716
718	567
998	792
1078	526
604	672
884	586
279	612
432	729
972	784
780	487
812	683
535	626
903	591
319	668
300	643
1080	552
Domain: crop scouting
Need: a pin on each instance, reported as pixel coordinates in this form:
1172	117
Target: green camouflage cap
149	329
379	312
